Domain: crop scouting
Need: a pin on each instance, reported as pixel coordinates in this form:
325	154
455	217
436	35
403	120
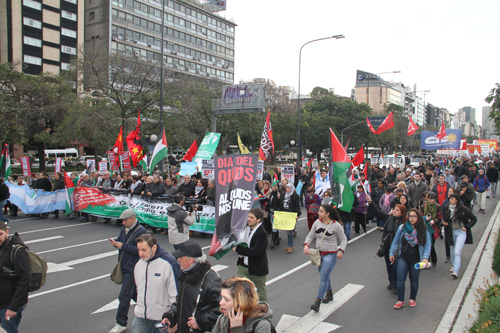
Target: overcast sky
450	47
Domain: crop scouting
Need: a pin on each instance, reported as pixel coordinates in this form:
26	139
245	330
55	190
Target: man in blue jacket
128	256
481	184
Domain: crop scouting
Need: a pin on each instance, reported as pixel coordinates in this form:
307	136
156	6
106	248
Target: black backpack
254	326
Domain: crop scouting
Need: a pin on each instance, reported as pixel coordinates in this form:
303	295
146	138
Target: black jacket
4	191
187	190
207	310
256	253
274	202
156	189
58	185
138	189
129	252
293	204
391	223
492	174
44	184
14	288
465	216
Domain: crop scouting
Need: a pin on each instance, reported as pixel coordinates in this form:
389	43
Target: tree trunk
41	155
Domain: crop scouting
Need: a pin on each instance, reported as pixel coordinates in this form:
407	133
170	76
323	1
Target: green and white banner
149	211
207	147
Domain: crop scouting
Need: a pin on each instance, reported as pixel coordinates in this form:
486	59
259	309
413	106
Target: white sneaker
118	329
451	269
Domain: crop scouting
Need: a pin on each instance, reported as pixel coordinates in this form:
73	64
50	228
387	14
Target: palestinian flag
340	163
160	151
5	169
70	187
144	164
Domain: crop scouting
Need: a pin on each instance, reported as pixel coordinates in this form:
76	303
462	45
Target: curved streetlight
342	133
299	145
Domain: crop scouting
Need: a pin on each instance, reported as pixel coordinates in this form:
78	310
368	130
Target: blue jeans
141	325
347	229
459	238
127	292
3	218
391	270
325	270
289	234
403	268
12	325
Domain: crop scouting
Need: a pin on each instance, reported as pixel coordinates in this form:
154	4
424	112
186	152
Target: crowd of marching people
413	207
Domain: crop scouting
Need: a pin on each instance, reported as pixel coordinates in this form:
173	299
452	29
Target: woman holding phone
241	309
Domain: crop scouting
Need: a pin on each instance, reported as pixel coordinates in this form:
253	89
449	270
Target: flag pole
394	131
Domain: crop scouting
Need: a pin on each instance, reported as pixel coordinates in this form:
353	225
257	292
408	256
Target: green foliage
489	312
496	257
494	98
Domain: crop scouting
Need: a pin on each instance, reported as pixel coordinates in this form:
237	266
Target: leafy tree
494	98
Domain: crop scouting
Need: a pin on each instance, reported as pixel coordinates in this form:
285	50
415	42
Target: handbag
385	245
117	274
314	254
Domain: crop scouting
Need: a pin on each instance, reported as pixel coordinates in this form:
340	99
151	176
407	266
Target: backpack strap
254	326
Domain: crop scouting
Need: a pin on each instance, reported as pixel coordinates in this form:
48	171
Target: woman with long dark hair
412	245
331	242
458	220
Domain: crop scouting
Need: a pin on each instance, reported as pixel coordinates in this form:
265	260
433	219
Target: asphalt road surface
80	297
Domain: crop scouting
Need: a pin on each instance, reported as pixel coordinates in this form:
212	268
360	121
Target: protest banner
125	160
36	201
208	169
474	149
25	164
112	203
284	220
287	172
429	140
188	168
103	167
493	144
260	169
90	165
58	165
112	161
235	177
208	146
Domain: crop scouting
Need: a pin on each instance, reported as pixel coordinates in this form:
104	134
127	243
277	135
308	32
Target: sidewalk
463	308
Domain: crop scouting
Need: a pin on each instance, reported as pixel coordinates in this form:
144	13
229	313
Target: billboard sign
429	140
243	96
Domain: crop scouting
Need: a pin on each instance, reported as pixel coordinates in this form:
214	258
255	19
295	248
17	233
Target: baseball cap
127	213
188	249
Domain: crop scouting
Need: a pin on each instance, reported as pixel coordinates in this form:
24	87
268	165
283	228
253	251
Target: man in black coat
252	262
14	279
191	313
43	183
492	174
187	187
4	195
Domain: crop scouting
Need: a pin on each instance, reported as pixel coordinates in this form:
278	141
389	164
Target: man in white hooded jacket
155	278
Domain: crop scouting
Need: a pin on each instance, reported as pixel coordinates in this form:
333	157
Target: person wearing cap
196	307
155	277
125	243
481	185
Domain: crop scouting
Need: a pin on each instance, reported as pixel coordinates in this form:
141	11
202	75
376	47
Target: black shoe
395	290
390	287
315	305
328	297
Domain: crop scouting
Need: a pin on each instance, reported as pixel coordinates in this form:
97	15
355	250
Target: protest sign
284	220
90	165
58	165
208	169
260	169
25	164
188	168
314	163
287	172
208	146
125	159
113	161
235	177
103	167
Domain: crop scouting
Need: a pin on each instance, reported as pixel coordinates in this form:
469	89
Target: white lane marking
43	239
311	320
26	219
206	247
72	246
69	286
60	227
113	305
293	270
65	266
219	268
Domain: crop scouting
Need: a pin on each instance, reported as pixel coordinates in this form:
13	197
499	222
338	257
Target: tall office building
470	114
40	35
197	41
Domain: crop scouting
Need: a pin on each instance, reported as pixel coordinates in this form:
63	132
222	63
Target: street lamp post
299	145
161	76
425	111
342	133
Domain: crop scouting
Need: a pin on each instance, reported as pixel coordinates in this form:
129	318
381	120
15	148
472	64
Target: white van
66	152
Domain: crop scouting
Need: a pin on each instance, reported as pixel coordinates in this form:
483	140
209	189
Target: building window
32	60
72	1
65	66
33	4
68	32
32	41
69	15
68	49
92	14
32	23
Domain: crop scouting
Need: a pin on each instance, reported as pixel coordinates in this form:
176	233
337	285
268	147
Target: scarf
387	201
410	234
288	195
453	208
198	189
247	238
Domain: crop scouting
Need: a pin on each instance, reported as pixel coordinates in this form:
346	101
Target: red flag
67	181
118	147
442	132
191	152
266	141
134	143
412	127
370	126
337	151
359	158
388	123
